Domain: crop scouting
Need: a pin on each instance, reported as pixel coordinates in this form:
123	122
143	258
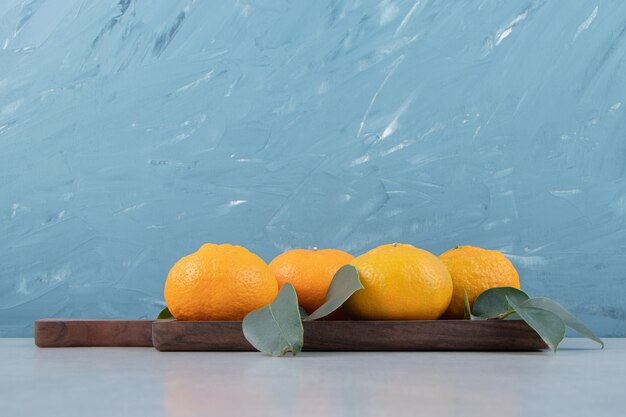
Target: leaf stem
504	315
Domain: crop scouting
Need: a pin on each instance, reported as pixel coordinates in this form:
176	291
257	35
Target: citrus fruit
401	282
310	272
219	282
476	270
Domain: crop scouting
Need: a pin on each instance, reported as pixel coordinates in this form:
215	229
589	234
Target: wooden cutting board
423	335
172	335
88	332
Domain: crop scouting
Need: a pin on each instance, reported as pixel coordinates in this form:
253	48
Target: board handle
93	333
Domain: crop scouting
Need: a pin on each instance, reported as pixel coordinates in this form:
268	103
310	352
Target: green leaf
567	317
276	328
548	325
468	310
345	283
303	313
165	314
512	316
493	302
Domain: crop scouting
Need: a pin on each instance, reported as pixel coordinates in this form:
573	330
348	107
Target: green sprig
277	328
547	317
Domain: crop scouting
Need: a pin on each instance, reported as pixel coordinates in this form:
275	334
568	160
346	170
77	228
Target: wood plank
426	335
92	332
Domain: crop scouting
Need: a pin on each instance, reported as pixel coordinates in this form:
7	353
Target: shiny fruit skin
219	282
476	270
401	282
310	272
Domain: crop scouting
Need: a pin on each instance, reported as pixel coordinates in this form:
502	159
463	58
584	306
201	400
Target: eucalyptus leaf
276	328
512	316
492	303
345	283
567	317
165	314
466	303
303	313
548	325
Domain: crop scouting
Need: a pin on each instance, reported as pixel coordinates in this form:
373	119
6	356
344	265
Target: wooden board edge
336	336
58	332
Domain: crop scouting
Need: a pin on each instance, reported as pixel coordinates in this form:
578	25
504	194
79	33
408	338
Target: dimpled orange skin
219	282
401	282
310	272
476	270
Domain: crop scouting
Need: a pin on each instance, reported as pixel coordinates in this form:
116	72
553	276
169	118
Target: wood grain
88	332
427	335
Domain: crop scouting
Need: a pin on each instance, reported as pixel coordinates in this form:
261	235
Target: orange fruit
476	270
401	282
219	282
310	272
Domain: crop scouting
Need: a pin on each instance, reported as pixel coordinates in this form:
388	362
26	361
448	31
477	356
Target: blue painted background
132	132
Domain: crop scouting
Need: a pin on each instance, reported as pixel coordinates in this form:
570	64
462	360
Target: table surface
580	380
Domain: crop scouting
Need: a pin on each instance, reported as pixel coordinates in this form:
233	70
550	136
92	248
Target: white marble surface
579	380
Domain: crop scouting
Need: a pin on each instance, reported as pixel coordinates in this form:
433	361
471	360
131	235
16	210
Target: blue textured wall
131	133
